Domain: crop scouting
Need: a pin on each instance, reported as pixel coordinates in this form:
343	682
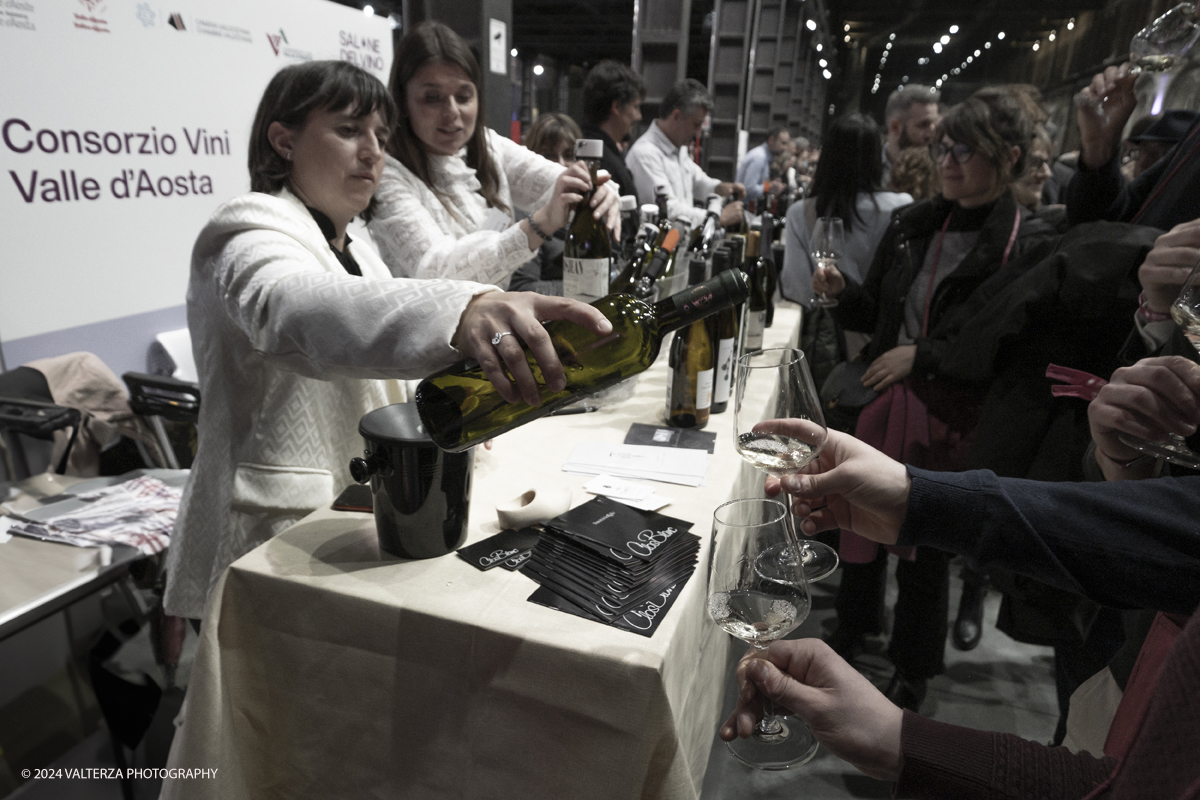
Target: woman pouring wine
294	325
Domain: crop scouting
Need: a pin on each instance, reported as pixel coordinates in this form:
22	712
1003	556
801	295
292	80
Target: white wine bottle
587	257
691	359
726	335
754	315
460	408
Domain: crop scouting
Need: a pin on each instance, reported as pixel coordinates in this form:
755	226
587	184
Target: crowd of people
977	266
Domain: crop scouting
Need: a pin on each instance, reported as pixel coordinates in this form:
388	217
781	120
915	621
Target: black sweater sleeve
1131	544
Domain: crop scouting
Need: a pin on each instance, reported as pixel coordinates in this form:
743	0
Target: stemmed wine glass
759	597
1158	47
782	372
1186	313
827	243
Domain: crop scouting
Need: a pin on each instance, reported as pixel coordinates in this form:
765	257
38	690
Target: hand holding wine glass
827	245
759	594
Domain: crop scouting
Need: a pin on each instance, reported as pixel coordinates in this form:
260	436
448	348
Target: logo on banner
89	21
277	40
176	21
279	43
16	14
146	15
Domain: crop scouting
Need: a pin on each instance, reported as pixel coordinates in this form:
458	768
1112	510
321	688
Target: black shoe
968	627
905	692
846	643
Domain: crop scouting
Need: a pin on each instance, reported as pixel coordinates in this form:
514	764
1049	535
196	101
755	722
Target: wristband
1149	314
545	237
1131	463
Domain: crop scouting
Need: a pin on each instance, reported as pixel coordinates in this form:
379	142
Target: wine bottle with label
588	252
736	244
657	265
768	268
460	408
726	324
691	360
754	315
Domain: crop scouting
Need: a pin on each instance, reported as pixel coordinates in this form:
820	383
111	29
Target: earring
288	155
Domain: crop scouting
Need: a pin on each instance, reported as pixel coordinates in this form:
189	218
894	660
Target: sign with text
123	124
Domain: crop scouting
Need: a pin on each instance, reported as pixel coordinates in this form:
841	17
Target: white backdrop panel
144	78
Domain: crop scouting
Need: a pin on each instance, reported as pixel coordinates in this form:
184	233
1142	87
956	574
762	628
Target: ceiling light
1052	36
823	63
1071	24
1036	46
847	38
827	74
1000	35
538	69
513	52
847	27
922	61
891	37
987	45
395	21
954	29
818	47
905	79
969	60
977	54
811	24
945	40
368	10
887	46
937	47
945	77
938	83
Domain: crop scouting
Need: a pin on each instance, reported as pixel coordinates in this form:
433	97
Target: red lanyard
937	256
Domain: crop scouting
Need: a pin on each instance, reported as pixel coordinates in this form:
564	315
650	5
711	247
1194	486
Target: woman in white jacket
294	325
450	185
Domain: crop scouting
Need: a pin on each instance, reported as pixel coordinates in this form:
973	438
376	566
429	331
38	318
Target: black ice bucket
422	494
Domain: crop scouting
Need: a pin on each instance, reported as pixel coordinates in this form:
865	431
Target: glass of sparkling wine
827	244
758	597
779	378
1186	313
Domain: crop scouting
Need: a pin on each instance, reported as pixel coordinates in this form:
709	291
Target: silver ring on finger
498	336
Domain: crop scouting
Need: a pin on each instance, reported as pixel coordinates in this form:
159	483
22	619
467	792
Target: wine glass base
793	746
825	302
1175	452
775	563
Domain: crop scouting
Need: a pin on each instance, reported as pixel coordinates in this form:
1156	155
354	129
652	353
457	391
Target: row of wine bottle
460	408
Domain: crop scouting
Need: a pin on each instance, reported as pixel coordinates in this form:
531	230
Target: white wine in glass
758	597
827	243
783	445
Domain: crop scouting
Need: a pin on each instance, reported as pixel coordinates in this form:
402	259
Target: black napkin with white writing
614	564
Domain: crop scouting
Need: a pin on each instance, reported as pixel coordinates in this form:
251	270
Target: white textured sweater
287	344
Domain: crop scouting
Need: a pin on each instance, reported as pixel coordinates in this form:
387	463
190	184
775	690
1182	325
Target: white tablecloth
325	671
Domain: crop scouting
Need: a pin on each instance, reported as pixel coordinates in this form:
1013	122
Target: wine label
754	330
704	389
724	377
585	279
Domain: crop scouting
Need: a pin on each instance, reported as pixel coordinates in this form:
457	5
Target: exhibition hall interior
599	399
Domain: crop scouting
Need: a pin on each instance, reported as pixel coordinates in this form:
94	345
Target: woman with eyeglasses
933	263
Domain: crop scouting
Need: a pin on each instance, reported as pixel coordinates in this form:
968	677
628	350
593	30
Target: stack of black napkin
612	563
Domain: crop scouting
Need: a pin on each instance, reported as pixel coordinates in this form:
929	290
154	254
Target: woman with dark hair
936	260
298	330
450	184
847	186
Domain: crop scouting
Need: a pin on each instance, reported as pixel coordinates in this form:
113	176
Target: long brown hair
434	41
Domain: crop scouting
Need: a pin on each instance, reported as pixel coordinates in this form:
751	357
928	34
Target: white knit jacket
447	234
286	343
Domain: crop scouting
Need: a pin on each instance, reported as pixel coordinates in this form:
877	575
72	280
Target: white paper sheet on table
627	492
665	464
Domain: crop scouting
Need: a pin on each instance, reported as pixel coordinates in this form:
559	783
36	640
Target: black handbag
844	396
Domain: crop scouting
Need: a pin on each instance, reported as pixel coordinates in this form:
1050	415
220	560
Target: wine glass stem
769	724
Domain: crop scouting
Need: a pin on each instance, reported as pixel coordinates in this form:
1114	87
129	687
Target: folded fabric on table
139	513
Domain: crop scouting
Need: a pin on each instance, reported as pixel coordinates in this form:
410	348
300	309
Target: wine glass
1158	47
1186	313
783	372
758	597
827	243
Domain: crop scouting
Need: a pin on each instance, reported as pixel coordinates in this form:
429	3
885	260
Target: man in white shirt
754	172
912	118
659	158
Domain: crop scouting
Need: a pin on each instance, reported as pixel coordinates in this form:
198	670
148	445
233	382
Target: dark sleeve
928	361
943	760
1129	544
858	304
1103	194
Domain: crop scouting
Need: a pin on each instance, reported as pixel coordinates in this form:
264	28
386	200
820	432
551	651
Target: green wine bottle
587	257
768	268
460	408
755	314
726	338
691	359
657	265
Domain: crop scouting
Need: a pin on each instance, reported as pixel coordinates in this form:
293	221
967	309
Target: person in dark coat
936	255
612	104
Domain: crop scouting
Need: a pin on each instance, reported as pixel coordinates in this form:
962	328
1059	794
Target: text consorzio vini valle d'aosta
54	184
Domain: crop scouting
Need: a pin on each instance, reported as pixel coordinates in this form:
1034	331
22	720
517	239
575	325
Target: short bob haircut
550	132
609	82
991	121
297	91
851	162
434	41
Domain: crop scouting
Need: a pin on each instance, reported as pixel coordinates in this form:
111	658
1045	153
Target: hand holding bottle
519	316
732	215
